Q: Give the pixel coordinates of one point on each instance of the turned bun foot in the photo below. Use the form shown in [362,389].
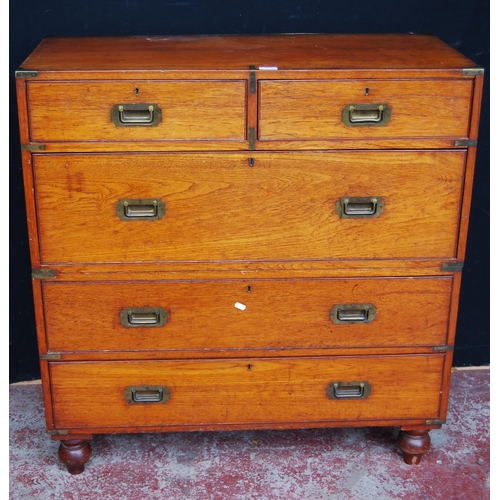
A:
[414,445]
[75,453]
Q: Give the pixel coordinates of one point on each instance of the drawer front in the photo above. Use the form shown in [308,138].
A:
[245,390]
[190,110]
[246,314]
[314,109]
[287,206]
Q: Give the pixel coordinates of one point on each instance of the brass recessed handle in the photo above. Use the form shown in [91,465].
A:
[349,314]
[359,207]
[142,394]
[134,115]
[348,390]
[140,209]
[366,115]
[143,317]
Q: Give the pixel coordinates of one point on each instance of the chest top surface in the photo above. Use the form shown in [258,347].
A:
[237,52]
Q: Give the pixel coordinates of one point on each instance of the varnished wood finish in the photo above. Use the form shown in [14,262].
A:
[46,392]
[414,444]
[245,390]
[42,349]
[288,352]
[190,110]
[313,110]
[469,173]
[243,213]
[75,453]
[247,269]
[26,161]
[295,314]
[445,393]
[287,52]
[282,208]
[396,422]
[289,145]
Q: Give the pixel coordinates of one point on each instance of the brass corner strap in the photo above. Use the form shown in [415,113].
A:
[465,142]
[435,422]
[43,274]
[251,139]
[253,82]
[33,147]
[477,71]
[22,73]
[443,348]
[452,267]
[61,432]
[50,357]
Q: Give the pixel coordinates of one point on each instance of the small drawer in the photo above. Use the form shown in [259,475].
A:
[223,207]
[135,111]
[243,391]
[358,109]
[214,315]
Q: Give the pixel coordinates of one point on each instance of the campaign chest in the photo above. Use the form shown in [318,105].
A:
[246,232]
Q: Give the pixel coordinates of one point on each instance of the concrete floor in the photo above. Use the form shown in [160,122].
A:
[328,464]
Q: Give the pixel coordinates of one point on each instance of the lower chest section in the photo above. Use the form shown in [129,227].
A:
[197,394]
[215,354]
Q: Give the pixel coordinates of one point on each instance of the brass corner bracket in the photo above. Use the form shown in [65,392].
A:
[253,82]
[43,274]
[465,142]
[50,357]
[442,348]
[61,432]
[452,267]
[435,422]
[477,71]
[33,147]
[22,73]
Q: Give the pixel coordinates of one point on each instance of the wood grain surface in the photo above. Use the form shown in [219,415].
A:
[196,110]
[245,390]
[287,52]
[278,314]
[313,109]
[220,208]
[217,270]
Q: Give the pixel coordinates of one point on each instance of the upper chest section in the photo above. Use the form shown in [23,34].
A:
[243,92]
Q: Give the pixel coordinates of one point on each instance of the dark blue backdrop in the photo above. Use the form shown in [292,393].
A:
[462,24]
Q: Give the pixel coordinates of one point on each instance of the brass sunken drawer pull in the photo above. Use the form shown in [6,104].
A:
[142,394]
[136,115]
[348,390]
[366,115]
[143,317]
[348,314]
[150,209]
[350,207]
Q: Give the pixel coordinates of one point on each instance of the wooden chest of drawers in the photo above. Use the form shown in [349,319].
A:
[238,232]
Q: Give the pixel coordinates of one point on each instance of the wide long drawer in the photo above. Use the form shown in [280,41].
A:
[116,208]
[137,110]
[282,314]
[154,393]
[357,109]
